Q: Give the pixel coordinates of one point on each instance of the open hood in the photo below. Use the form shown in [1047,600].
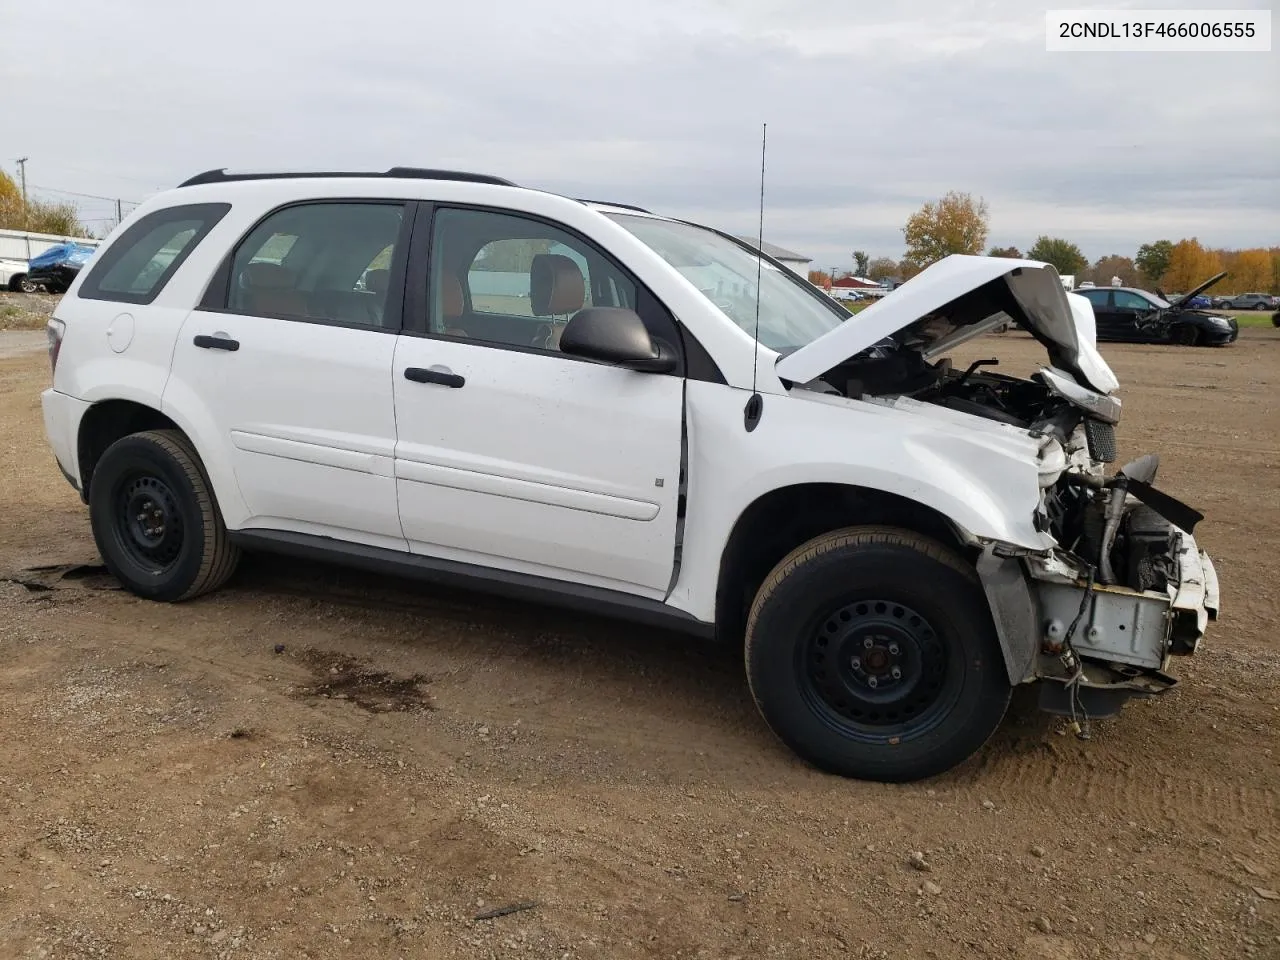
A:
[961,292]
[1196,291]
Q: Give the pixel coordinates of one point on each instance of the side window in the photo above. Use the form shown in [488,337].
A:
[506,279]
[1131,301]
[135,268]
[1097,297]
[322,262]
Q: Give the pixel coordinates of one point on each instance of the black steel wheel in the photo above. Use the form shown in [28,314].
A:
[871,652]
[148,521]
[154,518]
[876,670]
[1186,335]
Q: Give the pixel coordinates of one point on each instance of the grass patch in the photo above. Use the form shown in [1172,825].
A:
[1253,318]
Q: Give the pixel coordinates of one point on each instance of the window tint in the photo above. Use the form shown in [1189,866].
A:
[324,262]
[1097,297]
[135,268]
[1132,301]
[506,279]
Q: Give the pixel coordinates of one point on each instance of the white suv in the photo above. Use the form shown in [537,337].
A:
[447,375]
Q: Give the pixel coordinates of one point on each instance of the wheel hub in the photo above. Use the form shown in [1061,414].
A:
[876,663]
[149,521]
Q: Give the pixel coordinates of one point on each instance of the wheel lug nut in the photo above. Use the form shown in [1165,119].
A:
[897,674]
[893,649]
[872,682]
[868,643]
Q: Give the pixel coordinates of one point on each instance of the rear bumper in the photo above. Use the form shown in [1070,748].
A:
[62,415]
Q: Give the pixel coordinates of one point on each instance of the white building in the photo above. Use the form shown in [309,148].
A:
[23,245]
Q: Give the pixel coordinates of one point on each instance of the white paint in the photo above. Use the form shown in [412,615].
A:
[120,333]
[543,463]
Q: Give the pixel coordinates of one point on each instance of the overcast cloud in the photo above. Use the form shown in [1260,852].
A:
[872,109]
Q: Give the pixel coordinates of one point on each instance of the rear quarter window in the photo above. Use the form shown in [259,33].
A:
[135,268]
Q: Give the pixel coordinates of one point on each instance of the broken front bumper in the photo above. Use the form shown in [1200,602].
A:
[1096,645]
[1141,629]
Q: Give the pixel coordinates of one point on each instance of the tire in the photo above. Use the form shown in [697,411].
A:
[886,599]
[1186,335]
[28,286]
[1262,306]
[186,552]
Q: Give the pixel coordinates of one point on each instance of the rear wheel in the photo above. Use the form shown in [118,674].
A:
[155,520]
[1186,335]
[1262,306]
[871,653]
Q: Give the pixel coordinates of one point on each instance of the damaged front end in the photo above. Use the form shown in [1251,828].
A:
[1118,584]
[1128,589]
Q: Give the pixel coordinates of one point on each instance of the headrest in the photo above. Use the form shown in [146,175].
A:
[452,303]
[555,285]
[377,281]
[268,276]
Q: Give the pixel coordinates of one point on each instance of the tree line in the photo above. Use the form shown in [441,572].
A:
[958,223]
[36,216]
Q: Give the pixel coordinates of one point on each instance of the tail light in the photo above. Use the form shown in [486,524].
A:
[54,331]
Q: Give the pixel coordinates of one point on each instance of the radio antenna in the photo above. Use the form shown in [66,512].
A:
[755,403]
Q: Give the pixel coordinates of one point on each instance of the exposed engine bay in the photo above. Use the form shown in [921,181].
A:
[1102,521]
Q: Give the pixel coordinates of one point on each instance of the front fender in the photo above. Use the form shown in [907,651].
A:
[984,481]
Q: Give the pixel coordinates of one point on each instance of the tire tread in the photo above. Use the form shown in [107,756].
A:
[220,556]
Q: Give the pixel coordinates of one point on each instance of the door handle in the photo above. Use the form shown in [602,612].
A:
[423,375]
[216,343]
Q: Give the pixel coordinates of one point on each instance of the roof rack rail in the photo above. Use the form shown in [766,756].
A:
[405,173]
[610,203]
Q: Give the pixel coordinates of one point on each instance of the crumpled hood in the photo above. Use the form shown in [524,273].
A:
[1028,291]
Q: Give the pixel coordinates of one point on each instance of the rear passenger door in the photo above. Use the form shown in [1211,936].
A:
[287,364]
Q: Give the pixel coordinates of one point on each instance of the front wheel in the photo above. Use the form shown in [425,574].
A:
[1186,335]
[871,653]
[155,520]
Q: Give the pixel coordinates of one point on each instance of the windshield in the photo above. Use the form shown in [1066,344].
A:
[792,311]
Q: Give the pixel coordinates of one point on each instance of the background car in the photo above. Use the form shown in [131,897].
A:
[1251,301]
[13,276]
[1128,314]
[57,267]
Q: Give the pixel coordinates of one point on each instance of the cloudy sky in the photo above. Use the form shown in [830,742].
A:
[872,108]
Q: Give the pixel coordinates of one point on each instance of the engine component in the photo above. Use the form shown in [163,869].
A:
[1102,440]
[1151,546]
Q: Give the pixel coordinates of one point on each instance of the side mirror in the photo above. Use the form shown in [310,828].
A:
[615,335]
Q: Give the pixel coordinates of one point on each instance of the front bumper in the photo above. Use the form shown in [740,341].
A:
[1126,628]
[1220,337]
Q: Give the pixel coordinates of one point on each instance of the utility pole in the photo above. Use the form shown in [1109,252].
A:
[22,175]
[119,214]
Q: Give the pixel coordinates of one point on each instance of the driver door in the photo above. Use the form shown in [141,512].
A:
[510,454]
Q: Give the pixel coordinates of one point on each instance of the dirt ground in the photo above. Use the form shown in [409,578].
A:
[312,763]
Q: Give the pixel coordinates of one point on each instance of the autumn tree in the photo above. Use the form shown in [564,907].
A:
[1250,271]
[1063,254]
[955,224]
[820,278]
[1190,265]
[1113,265]
[908,268]
[1012,253]
[1153,260]
[36,215]
[882,268]
[860,261]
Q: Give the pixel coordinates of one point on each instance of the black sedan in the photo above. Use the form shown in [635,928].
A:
[1127,314]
